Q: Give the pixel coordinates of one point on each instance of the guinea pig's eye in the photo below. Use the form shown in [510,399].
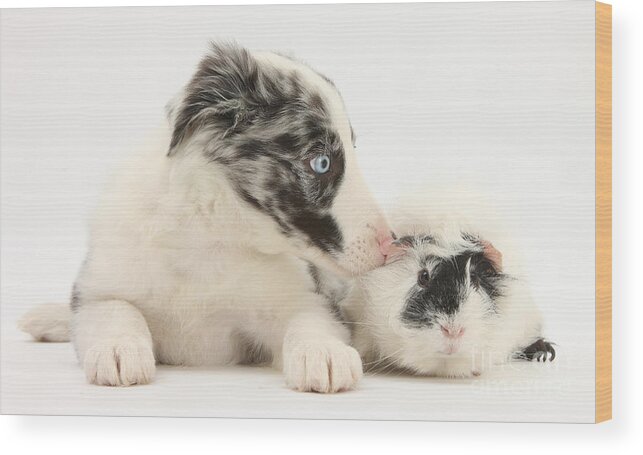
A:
[423,278]
[320,164]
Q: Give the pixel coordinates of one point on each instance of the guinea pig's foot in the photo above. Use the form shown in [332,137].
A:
[541,351]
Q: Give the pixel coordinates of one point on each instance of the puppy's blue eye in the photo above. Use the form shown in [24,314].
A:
[320,164]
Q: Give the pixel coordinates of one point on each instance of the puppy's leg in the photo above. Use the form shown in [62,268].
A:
[114,344]
[316,354]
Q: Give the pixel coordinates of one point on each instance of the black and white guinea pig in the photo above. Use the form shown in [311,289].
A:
[442,305]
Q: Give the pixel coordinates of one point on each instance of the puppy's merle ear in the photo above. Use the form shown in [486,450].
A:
[220,96]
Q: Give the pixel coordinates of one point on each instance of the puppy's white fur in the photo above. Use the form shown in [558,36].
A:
[181,271]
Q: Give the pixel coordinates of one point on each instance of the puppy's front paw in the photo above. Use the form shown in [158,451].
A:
[321,367]
[120,362]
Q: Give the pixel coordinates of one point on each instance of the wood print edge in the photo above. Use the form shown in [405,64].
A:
[603,409]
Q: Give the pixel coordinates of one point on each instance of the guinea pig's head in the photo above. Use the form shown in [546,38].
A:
[433,302]
[275,134]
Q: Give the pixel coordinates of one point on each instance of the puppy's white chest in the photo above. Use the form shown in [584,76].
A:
[211,306]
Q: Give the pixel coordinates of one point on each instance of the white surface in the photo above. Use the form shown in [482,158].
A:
[522,390]
[499,96]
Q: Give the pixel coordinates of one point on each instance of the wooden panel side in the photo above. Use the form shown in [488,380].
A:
[603,212]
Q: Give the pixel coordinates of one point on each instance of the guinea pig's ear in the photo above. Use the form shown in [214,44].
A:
[219,96]
[492,254]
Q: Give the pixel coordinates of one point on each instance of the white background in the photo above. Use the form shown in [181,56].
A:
[325,436]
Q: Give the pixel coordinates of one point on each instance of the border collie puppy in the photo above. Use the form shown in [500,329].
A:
[201,252]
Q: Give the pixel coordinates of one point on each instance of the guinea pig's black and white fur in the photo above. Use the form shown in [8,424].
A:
[444,306]
[200,252]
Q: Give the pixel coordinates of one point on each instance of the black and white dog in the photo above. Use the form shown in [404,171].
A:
[201,252]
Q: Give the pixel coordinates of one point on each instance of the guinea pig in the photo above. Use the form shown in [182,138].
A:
[443,305]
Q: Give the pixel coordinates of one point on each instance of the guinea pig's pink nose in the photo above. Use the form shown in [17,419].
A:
[450,331]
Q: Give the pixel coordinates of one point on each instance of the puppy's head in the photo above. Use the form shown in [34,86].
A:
[278,133]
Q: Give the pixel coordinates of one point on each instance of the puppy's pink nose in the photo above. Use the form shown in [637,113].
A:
[385,241]
[452,332]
